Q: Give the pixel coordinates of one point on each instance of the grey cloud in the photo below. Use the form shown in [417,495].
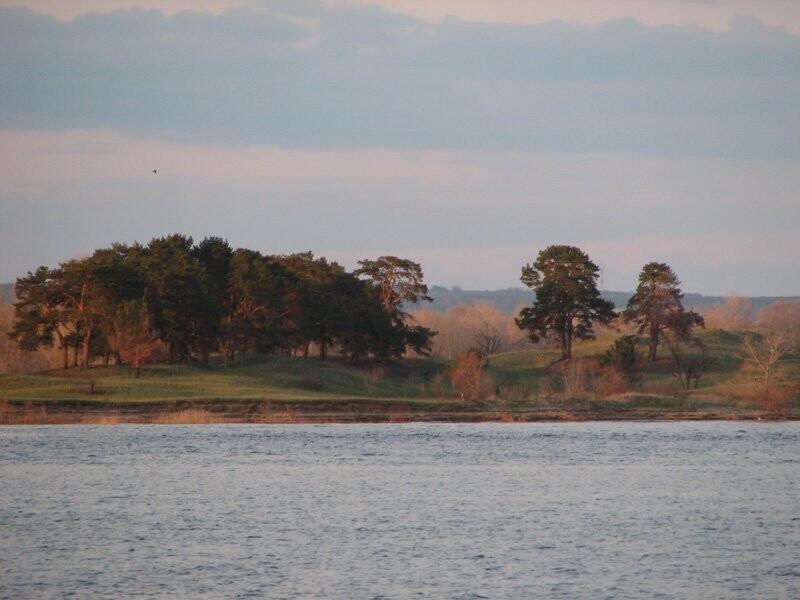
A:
[299,74]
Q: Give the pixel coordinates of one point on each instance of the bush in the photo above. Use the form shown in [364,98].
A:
[470,377]
[623,359]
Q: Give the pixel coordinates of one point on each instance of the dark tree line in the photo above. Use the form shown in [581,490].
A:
[194,300]
[189,301]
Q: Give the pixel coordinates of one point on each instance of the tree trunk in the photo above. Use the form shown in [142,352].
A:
[65,357]
[653,344]
[86,343]
[565,341]
[136,367]
[75,356]
[323,350]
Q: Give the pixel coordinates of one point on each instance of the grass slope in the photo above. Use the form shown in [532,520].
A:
[725,384]
[260,378]
[529,385]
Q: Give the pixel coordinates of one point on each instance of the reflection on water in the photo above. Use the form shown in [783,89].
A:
[593,510]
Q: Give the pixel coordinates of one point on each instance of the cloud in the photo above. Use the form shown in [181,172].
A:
[69,10]
[709,14]
[303,75]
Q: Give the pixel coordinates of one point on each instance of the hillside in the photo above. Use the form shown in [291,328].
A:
[526,385]
[509,299]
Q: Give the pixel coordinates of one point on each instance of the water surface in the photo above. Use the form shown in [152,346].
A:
[592,510]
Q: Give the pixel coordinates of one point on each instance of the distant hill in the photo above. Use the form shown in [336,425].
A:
[6,292]
[509,299]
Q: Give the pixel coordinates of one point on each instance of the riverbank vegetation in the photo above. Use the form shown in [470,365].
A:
[519,385]
[228,336]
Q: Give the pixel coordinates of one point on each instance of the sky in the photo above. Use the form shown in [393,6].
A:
[467,135]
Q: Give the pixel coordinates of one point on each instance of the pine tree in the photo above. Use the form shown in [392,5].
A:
[567,299]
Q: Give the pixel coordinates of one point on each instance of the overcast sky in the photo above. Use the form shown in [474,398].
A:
[467,135]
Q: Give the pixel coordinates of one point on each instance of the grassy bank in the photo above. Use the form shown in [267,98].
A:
[529,385]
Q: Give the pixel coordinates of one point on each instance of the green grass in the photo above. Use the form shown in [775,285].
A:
[534,372]
[523,379]
[261,378]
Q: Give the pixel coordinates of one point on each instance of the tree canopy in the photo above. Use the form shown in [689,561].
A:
[395,281]
[568,302]
[398,280]
[197,299]
[657,307]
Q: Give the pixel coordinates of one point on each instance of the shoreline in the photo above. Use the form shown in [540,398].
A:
[197,412]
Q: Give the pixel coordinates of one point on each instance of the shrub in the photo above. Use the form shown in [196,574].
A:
[372,376]
[623,359]
[470,377]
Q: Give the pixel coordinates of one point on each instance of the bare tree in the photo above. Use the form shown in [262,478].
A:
[783,315]
[735,313]
[689,361]
[763,353]
[493,330]
[480,326]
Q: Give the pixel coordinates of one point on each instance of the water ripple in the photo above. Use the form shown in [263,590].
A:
[593,510]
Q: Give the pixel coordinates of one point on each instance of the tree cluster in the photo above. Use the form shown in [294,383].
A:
[189,301]
[568,303]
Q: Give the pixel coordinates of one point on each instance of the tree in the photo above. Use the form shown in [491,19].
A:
[317,314]
[214,256]
[656,306]
[398,280]
[480,326]
[174,282]
[735,313]
[37,318]
[689,362]
[134,337]
[90,290]
[74,303]
[363,327]
[783,315]
[763,353]
[258,314]
[567,299]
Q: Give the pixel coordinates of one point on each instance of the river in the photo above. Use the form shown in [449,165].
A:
[570,510]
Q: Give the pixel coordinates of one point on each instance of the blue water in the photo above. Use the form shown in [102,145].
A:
[589,510]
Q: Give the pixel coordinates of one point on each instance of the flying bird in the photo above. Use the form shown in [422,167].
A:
[155,171]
